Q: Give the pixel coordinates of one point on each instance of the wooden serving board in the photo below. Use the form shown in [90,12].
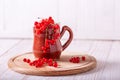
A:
[64,66]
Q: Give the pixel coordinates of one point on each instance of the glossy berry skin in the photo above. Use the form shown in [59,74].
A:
[74,59]
[36,23]
[28,60]
[55,64]
[77,59]
[40,62]
[50,63]
[24,59]
[83,58]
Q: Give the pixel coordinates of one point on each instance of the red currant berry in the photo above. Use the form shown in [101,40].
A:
[45,60]
[83,58]
[74,59]
[36,23]
[52,42]
[42,29]
[50,20]
[56,26]
[70,60]
[28,60]
[50,60]
[36,65]
[31,64]
[43,48]
[24,59]
[38,31]
[55,64]
[50,63]
[44,51]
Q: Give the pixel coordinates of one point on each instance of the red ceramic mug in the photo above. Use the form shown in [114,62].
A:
[55,49]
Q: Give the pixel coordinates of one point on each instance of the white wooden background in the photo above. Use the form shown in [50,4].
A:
[89,19]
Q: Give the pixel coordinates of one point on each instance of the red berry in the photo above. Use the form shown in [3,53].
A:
[43,48]
[45,60]
[50,63]
[28,60]
[52,42]
[50,60]
[42,29]
[34,62]
[70,60]
[38,31]
[36,23]
[55,64]
[44,51]
[24,59]
[36,65]
[83,58]
[55,31]
[31,64]
[74,59]
[50,20]
[39,64]
[56,26]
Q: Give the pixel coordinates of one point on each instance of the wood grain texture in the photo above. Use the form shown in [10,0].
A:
[6,45]
[64,66]
[106,53]
[19,48]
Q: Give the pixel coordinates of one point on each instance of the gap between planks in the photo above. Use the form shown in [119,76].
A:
[94,47]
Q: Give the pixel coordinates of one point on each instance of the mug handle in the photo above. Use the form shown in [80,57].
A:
[66,28]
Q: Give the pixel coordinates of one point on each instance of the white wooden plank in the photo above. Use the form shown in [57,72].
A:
[10,75]
[111,70]
[100,52]
[6,44]
[71,77]
[108,62]
[22,47]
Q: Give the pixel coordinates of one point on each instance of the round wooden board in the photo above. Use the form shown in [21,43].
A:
[64,66]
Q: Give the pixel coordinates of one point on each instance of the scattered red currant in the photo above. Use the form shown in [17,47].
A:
[24,59]
[41,62]
[77,59]
[55,64]
[36,23]
[83,58]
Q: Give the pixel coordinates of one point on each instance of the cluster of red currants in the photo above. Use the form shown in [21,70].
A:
[41,62]
[77,59]
[44,27]
[44,24]
[49,42]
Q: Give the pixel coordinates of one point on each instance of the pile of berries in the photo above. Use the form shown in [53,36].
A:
[77,59]
[41,62]
[51,31]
